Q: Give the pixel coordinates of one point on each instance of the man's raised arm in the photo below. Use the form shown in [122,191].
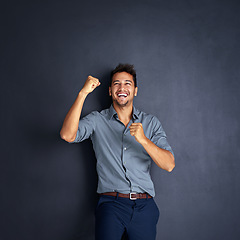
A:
[71,121]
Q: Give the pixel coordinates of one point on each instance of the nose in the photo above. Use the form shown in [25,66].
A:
[122,86]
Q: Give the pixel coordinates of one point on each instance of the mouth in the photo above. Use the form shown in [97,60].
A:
[122,95]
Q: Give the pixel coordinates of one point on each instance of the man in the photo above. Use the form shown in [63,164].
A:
[125,141]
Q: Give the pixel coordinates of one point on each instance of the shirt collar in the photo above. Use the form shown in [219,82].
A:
[112,112]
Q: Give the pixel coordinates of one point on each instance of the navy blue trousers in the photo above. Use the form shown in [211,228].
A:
[115,215]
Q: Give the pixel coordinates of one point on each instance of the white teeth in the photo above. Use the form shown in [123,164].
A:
[122,95]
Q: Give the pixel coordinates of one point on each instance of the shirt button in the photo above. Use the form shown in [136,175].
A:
[125,149]
[124,163]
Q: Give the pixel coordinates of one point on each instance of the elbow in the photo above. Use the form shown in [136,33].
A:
[172,165]
[171,168]
[66,138]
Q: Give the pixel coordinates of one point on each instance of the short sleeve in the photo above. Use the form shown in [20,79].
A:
[86,127]
[159,136]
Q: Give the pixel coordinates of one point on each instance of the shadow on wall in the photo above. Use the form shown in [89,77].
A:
[84,225]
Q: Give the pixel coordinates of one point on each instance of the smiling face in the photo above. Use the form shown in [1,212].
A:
[122,89]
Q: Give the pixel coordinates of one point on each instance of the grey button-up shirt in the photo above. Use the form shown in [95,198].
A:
[123,164]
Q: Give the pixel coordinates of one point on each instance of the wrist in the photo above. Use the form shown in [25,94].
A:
[83,93]
[144,141]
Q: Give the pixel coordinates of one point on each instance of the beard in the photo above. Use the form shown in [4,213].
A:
[121,104]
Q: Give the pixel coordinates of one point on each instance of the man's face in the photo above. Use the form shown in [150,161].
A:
[122,89]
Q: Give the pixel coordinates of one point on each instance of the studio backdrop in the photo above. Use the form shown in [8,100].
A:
[186,54]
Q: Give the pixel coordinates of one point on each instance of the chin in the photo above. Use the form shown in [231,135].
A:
[122,104]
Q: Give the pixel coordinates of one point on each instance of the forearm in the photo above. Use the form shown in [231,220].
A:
[71,121]
[163,158]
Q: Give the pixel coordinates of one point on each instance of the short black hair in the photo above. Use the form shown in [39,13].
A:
[126,67]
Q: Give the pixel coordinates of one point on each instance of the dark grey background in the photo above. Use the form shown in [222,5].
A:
[186,54]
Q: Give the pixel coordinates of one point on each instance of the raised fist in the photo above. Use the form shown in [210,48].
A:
[90,84]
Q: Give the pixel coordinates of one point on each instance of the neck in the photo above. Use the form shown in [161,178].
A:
[124,113]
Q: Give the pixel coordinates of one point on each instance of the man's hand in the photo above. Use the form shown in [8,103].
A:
[90,84]
[163,158]
[136,130]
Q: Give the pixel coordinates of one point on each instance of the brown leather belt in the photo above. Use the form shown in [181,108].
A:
[131,196]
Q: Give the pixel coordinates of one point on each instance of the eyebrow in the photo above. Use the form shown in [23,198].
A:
[123,80]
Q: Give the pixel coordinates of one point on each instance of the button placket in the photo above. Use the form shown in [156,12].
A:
[124,149]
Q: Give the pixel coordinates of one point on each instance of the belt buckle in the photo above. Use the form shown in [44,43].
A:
[132,198]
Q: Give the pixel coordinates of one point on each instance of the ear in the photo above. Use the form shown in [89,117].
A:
[136,90]
[110,91]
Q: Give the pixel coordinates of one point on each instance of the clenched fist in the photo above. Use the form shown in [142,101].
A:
[90,84]
[136,130]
